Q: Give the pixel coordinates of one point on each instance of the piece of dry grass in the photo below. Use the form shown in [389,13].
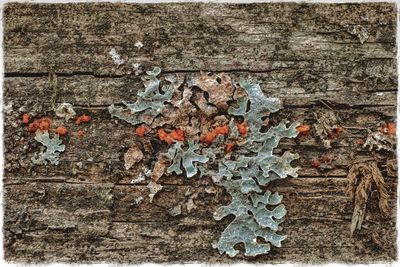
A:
[391,167]
[362,177]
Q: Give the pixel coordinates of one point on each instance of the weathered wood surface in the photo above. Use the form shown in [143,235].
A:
[304,53]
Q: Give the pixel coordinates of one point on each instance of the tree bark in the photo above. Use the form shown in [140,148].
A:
[314,57]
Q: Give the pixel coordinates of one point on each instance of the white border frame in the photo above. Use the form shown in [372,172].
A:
[2,2]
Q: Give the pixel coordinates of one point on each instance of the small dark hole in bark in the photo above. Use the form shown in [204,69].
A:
[248,106]
[206,96]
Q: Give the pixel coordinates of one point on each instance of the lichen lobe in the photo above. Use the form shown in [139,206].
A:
[148,104]
[252,220]
[186,158]
[51,150]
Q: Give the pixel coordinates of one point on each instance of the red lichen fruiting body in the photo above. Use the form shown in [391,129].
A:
[32,127]
[336,132]
[83,118]
[303,129]
[242,128]
[388,128]
[25,118]
[141,130]
[315,163]
[164,136]
[178,135]
[391,126]
[326,159]
[360,142]
[208,138]
[229,147]
[80,133]
[224,130]
[61,130]
[42,124]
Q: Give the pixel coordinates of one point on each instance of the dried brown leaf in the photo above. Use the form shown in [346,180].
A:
[154,188]
[218,86]
[239,92]
[326,123]
[175,211]
[132,156]
[180,116]
[162,163]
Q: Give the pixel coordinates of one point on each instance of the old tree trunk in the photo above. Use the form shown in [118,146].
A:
[317,58]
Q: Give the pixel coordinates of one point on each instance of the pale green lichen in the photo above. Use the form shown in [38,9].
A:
[216,149]
[53,148]
[186,158]
[262,167]
[148,104]
[260,105]
[243,176]
[252,220]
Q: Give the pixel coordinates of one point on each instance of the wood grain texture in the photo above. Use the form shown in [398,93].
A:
[308,55]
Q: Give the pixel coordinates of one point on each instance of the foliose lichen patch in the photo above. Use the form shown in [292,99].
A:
[50,153]
[211,126]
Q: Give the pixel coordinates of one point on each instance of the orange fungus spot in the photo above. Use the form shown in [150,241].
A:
[83,118]
[164,136]
[303,129]
[391,126]
[336,132]
[175,135]
[42,124]
[209,137]
[315,163]
[326,158]
[242,128]
[221,130]
[25,118]
[61,130]
[388,128]
[360,142]
[81,133]
[178,135]
[141,130]
[229,147]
